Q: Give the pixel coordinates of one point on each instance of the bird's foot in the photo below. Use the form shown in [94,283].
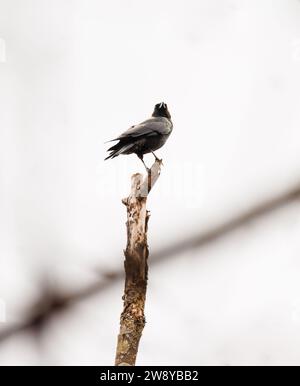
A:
[156,158]
[159,160]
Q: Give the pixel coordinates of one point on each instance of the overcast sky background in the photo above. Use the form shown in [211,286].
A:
[74,74]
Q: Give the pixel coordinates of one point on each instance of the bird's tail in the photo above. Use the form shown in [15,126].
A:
[110,156]
[118,149]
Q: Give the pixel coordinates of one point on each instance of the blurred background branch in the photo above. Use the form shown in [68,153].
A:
[52,302]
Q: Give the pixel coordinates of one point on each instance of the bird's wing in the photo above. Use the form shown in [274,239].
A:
[152,126]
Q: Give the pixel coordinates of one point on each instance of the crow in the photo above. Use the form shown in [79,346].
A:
[146,137]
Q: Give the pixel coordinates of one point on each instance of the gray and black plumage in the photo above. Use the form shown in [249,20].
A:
[146,137]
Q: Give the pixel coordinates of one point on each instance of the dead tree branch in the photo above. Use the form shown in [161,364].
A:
[132,319]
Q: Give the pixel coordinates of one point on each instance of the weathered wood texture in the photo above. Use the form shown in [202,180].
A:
[132,320]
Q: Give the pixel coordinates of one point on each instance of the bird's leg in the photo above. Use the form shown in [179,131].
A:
[156,158]
[141,158]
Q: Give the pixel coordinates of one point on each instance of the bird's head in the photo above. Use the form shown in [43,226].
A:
[161,110]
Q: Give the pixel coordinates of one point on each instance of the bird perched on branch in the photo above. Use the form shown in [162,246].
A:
[146,137]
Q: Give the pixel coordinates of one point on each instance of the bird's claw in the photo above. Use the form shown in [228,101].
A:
[159,160]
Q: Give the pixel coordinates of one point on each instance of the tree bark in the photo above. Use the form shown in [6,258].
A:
[132,319]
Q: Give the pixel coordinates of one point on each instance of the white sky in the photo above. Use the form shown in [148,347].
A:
[77,73]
